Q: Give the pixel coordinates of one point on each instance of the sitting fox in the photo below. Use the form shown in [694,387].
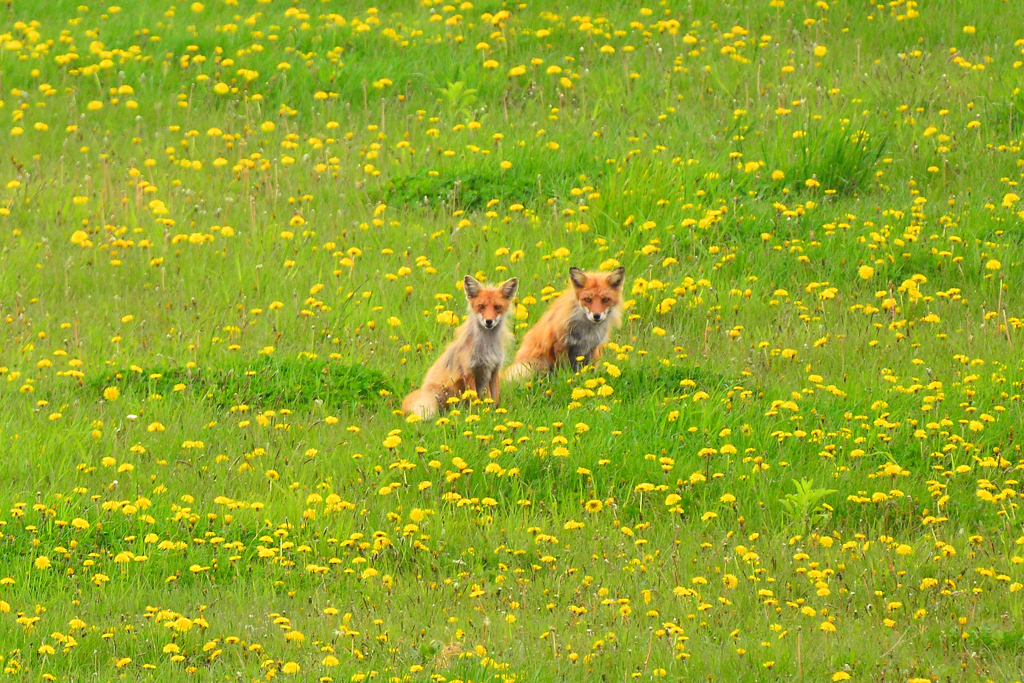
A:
[575,327]
[474,358]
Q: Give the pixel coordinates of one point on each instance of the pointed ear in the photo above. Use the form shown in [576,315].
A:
[577,277]
[617,277]
[471,287]
[509,287]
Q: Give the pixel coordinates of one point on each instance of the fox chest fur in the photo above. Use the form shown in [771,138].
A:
[483,351]
[583,336]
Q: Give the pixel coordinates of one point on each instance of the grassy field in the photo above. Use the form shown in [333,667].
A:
[232,237]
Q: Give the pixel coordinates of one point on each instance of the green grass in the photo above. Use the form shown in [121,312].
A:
[798,459]
[266,383]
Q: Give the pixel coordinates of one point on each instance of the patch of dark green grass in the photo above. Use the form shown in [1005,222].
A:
[999,639]
[466,189]
[838,159]
[268,383]
[471,187]
[637,382]
[1007,113]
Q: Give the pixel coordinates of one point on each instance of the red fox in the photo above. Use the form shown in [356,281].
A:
[576,326]
[474,358]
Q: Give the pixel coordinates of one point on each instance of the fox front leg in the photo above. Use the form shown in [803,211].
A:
[481,382]
[577,359]
[494,388]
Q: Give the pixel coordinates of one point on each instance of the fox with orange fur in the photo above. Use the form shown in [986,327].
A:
[575,327]
[473,360]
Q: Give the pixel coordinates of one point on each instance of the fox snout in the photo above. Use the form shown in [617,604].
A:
[596,317]
[488,320]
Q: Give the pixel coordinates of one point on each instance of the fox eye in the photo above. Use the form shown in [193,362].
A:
[497,309]
[606,301]
[480,307]
[587,300]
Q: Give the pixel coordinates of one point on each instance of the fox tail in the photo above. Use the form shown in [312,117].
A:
[518,371]
[420,402]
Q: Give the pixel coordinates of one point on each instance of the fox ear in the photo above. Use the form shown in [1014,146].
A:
[471,287]
[617,277]
[577,277]
[509,287]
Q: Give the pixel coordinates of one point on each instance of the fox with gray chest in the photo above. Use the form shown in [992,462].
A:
[474,358]
[575,327]
[588,325]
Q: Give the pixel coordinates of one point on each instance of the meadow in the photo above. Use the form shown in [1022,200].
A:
[232,238]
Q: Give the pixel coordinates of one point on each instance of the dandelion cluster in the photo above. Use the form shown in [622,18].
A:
[232,234]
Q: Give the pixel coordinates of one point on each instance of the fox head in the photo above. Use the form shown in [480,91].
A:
[598,293]
[489,305]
